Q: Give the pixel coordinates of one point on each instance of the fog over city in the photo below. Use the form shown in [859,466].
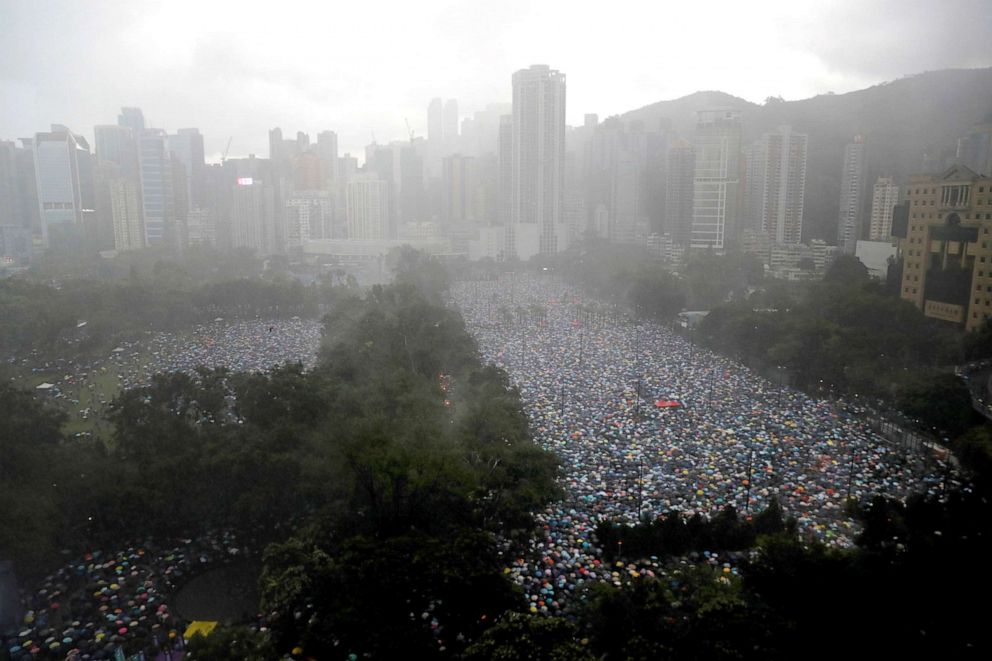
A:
[481,331]
[236,68]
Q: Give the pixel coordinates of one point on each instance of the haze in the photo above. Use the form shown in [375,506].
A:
[236,69]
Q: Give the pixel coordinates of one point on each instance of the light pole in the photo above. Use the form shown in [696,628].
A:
[850,472]
[747,486]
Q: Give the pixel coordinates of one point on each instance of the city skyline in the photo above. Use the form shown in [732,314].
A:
[235,73]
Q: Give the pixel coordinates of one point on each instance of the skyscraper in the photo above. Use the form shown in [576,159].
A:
[435,138]
[678,201]
[885,196]
[538,162]
[15,225]
[125,209]
[327,151]
[368,207]
[460,188]
[307,172]
[309,215]
[253,216]
[716,182]
[155,166]
[450,127]
[504,170]
[777,184]
[613,174]
[851,191]
[8,183]
[187,146]
[117,144]
[61,164]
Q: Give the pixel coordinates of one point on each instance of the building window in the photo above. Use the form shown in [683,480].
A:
[954,196]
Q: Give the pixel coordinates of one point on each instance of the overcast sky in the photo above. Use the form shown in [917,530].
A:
[234,69]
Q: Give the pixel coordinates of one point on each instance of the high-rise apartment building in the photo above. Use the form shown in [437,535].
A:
[777,185]
[538,163]
[253,216]
[851,193]
[450,127]
[327,150]
[125,210]
[460,181]
[885,196]
[399,165]
[679,198]
[716,182]
[201,227]
[307,172]
[368,207]
[442,135]
[504,171]
[611,163]
[480,133]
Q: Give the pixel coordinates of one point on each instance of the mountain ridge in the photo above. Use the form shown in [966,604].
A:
[901,120]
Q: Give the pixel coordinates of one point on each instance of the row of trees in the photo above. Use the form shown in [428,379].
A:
[848,335]
[46,318]
[633,277]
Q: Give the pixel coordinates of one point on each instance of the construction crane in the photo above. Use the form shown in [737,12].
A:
[223,158]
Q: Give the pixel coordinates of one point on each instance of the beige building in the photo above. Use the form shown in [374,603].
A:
[947,253]
[884,197]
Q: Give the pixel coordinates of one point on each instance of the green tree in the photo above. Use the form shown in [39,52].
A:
[846,270]
[938,400]
[517,636]
[235,643]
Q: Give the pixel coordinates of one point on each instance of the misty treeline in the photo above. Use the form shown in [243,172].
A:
[847,335]
[162,294]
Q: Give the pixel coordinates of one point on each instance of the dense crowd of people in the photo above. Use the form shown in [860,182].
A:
[109,600]
[645,423]
[239,346]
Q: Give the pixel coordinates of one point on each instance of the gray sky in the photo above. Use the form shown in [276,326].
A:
[237,68]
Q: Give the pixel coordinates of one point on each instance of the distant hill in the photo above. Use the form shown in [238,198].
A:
[900,119]
[680,114]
